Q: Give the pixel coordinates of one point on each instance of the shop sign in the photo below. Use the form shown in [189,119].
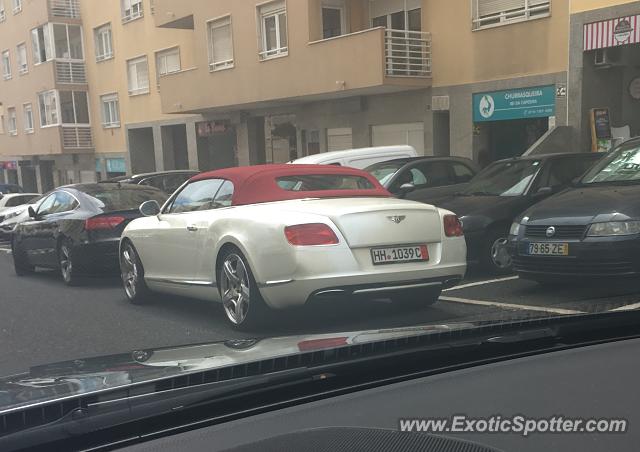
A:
[210,128]
[116,166]
[9,165]
[535,102]
[612,33]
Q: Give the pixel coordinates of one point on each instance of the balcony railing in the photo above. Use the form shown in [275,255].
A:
[65,8]
[70,72]
[77,137]
[407,53]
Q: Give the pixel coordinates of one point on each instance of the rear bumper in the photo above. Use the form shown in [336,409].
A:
[590,257]
[97,257]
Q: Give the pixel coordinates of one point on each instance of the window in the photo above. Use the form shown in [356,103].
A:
[333,18]
[67,41]
[102,38]
[17,6]
[138,73]
[13,121]
[168,61]
[110,111]
[167,183]
[462,173]
[48,104]
[321,182]
[131,9]
[41,43]
[3,14]
[28,118]
[21,55]
[220,44]
[58,202]
[224,197]
[487,13]
[6,65]
[423,175]
[18,200]
[273,29]
[74,108]
[198,195]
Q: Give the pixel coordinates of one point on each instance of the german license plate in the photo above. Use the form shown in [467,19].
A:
[399,254]
[549,249]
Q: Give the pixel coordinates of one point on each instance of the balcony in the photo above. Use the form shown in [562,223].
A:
[76,137]
[371,61]
[70,72]
[69,9]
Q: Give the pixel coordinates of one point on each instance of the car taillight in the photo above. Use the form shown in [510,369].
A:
[97,223]
[452,226]
[310,234]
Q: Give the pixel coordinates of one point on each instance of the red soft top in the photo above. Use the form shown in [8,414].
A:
[257,184]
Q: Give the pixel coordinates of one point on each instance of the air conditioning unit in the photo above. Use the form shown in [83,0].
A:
[606,58]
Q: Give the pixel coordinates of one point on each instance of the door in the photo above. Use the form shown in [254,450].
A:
[43,230]
[174,250]
[395,134]
[339,139]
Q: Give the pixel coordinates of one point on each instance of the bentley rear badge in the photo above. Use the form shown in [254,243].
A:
[397,218]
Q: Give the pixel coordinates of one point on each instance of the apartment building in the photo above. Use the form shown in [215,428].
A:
[126,58]
[45,124]
[289,78]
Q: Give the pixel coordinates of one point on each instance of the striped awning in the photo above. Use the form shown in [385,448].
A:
[612,33]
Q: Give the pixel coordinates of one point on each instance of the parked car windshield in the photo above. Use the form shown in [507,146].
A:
[622,165]
[124,198]
[384,171]
[504,178]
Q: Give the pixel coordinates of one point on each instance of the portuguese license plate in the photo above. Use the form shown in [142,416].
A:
[549,249]
[399,254]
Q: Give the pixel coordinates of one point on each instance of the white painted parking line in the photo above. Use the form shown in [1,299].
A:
[627,307]
[481,283]
[522,307]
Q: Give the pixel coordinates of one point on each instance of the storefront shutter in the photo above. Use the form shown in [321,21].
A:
[339,139]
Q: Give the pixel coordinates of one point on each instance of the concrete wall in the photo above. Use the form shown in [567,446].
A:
[578,6]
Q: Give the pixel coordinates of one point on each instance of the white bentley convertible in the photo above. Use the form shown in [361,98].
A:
[277,236]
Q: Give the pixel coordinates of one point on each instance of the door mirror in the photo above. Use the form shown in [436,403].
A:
[150,208]
[543,191]
[32,213]
[405,189]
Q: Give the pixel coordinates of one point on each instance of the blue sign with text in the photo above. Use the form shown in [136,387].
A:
[523,103]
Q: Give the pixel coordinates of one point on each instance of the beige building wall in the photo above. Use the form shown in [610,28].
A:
[462,55]
[133,39]
[578,6]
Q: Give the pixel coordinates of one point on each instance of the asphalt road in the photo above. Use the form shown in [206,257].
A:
[42,321]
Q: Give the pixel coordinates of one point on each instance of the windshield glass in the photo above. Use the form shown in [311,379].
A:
[504,178]
[384,171]
[622,165]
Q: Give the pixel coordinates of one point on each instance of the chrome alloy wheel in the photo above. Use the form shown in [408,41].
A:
[500,254]
[235,288]
[129,271]
[66,264]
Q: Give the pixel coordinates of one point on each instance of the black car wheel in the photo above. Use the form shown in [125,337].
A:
[132,275]
[21,264]
[416,298]
[66,263]
[495,254]
[243,305]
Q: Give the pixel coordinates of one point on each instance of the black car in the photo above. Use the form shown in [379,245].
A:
[167,181]
[504,190]
[422,178]
[77,228]
[10,188]
[589,230]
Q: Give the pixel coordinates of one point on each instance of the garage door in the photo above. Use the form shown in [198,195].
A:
[394,134]
[339,139]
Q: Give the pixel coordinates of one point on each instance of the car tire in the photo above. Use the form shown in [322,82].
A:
[495,255]
[68,271]
[417,298]
[132,275]
[243,305]
[21,264]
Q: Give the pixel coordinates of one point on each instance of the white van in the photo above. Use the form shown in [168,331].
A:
[358,158]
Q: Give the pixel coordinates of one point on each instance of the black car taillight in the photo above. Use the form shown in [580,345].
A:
[102,223]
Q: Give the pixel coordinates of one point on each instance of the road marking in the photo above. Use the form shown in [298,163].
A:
[481,283]
[627,307]
[523,307]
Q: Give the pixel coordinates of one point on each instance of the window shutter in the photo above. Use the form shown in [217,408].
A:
[222,46]
[488,7]
[172,62]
